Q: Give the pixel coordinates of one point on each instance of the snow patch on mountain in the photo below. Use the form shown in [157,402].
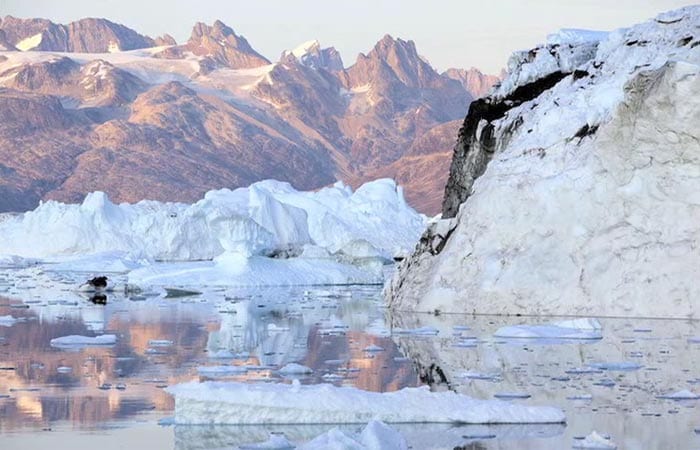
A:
[29,43]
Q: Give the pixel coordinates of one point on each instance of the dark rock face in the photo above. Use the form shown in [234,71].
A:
[83,36]
[5,44]
[474,150]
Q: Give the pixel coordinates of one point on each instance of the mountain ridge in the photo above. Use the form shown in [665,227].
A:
[305,119]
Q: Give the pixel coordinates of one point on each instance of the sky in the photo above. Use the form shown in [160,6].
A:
[449,33]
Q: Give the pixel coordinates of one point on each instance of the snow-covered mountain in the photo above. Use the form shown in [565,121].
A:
[573,188]
[170,122]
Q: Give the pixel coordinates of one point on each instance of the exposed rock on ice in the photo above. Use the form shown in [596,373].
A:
[240,403]
[577,180]
[74,341]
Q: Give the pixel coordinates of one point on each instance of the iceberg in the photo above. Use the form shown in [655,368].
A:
[266,234]
[76,341]
[241,403]
[268,218]
[573,189]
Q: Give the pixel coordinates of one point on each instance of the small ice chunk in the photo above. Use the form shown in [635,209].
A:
[595,441]
[680,395]
[8,321]
[295,369]
[623,366]
[584,329]
[373,348]
[511,395]
[83,341]
[221,371]
[422,331]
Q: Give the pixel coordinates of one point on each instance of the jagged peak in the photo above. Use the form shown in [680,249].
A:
[307,47]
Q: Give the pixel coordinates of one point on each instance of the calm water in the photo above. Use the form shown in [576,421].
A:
[63,398]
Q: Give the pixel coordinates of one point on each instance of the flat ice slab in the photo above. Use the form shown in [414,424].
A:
[585,329]
[241,403]
[83,341]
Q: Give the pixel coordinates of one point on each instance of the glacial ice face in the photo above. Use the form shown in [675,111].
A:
[589,204]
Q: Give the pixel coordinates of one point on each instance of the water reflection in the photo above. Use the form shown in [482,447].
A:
[419,436]
[163,341]
[609,385]
[345,336]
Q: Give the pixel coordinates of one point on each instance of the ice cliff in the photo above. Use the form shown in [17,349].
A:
[574,186]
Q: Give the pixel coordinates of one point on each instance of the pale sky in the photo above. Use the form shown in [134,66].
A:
[449,33]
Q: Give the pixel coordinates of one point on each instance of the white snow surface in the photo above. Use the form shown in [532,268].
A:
[29,43]
[241,403]
[606,224]
[76,341]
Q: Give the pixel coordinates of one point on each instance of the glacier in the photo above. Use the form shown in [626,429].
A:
[573,189]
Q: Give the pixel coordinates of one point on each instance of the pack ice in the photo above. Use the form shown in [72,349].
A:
[573,190]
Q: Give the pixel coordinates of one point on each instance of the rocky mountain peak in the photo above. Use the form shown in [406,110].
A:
[224,46]
[474,81]
[312,55]
[394,58]
[165,39]
[90,35]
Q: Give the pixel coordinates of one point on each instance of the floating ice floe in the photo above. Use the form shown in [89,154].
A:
[622,366]
[680,395]
[577,329]
[8,321]
[295,369]
[422,331]
[83,341]
[241,403]
[595,441]
[221,371]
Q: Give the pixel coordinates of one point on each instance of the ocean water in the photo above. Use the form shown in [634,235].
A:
[112,396]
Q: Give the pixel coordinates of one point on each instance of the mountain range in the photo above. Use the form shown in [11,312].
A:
[93,105]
